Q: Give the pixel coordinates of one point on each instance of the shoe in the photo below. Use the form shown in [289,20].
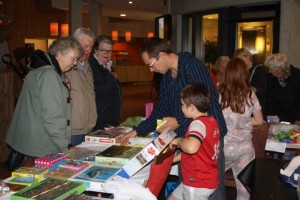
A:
[289,179]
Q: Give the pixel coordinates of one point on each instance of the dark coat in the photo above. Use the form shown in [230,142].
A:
[108,96]
[284,101]
[259,80]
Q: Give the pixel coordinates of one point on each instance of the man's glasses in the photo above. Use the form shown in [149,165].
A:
[150,65]
[105,51]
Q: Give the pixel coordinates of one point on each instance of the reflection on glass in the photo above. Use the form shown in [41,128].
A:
[161,28]
[257,37]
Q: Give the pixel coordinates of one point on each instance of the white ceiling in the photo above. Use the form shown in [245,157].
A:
[145,10]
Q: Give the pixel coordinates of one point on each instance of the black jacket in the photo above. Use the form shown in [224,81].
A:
[284,101]
[108,96]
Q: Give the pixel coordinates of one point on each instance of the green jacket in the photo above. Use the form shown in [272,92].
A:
[41,120]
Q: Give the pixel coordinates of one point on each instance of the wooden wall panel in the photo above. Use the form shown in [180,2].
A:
[31,19]
[7,104]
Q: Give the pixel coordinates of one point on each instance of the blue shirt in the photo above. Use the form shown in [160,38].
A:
[190,70]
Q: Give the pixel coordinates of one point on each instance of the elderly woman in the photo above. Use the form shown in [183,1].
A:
[283,95]
[107,88]
[41,121]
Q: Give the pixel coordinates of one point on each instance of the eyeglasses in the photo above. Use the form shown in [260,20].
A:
[105,51]
[150,65]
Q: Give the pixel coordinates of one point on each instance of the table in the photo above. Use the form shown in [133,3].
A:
[266,183]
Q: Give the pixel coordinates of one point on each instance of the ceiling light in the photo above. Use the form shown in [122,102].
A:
[123,15]
[130,2]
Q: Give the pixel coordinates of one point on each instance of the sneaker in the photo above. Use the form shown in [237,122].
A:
[289,179]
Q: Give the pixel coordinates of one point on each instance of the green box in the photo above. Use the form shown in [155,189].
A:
[50,188]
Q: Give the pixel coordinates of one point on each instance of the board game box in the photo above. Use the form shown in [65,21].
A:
[32,172]
[95,176]
[51,161]
[147,154]
[27,175]
[117,155]
[23,181]
[74,165]
[108,136]
[82,154]
[62,173]
[50,189]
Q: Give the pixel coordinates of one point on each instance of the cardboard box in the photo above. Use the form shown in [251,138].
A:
[117,155]
[96,176]
[27,175]
[147,154]
[108,136]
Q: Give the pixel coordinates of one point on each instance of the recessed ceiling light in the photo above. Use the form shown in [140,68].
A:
[123,15]
[130,2]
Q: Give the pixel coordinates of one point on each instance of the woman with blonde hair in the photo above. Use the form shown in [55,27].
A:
[241,110]
[220,67]
[283,96]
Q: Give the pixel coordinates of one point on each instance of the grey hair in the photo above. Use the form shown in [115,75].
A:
[83,31]
[277,61]
[63,45]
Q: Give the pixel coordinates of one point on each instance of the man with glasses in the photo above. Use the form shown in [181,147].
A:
[178,70]
[84,114]
[106,84]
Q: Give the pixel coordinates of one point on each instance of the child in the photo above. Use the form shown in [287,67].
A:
[239,103]
[199,148]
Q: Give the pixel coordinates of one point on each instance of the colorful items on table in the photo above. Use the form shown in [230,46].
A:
[289,136]
[51,161]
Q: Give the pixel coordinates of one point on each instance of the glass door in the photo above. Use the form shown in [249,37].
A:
[209,41]
[257,37]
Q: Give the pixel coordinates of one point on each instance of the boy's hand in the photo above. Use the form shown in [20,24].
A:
[174,144]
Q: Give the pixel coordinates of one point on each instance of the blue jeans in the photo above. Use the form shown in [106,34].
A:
[77,139]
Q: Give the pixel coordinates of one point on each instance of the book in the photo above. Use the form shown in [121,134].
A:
[50,188]
[111,135]
[27,175]
[117,155]
[95,176]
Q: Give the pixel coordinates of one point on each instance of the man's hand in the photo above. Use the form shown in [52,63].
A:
[126,137]
[171,123]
